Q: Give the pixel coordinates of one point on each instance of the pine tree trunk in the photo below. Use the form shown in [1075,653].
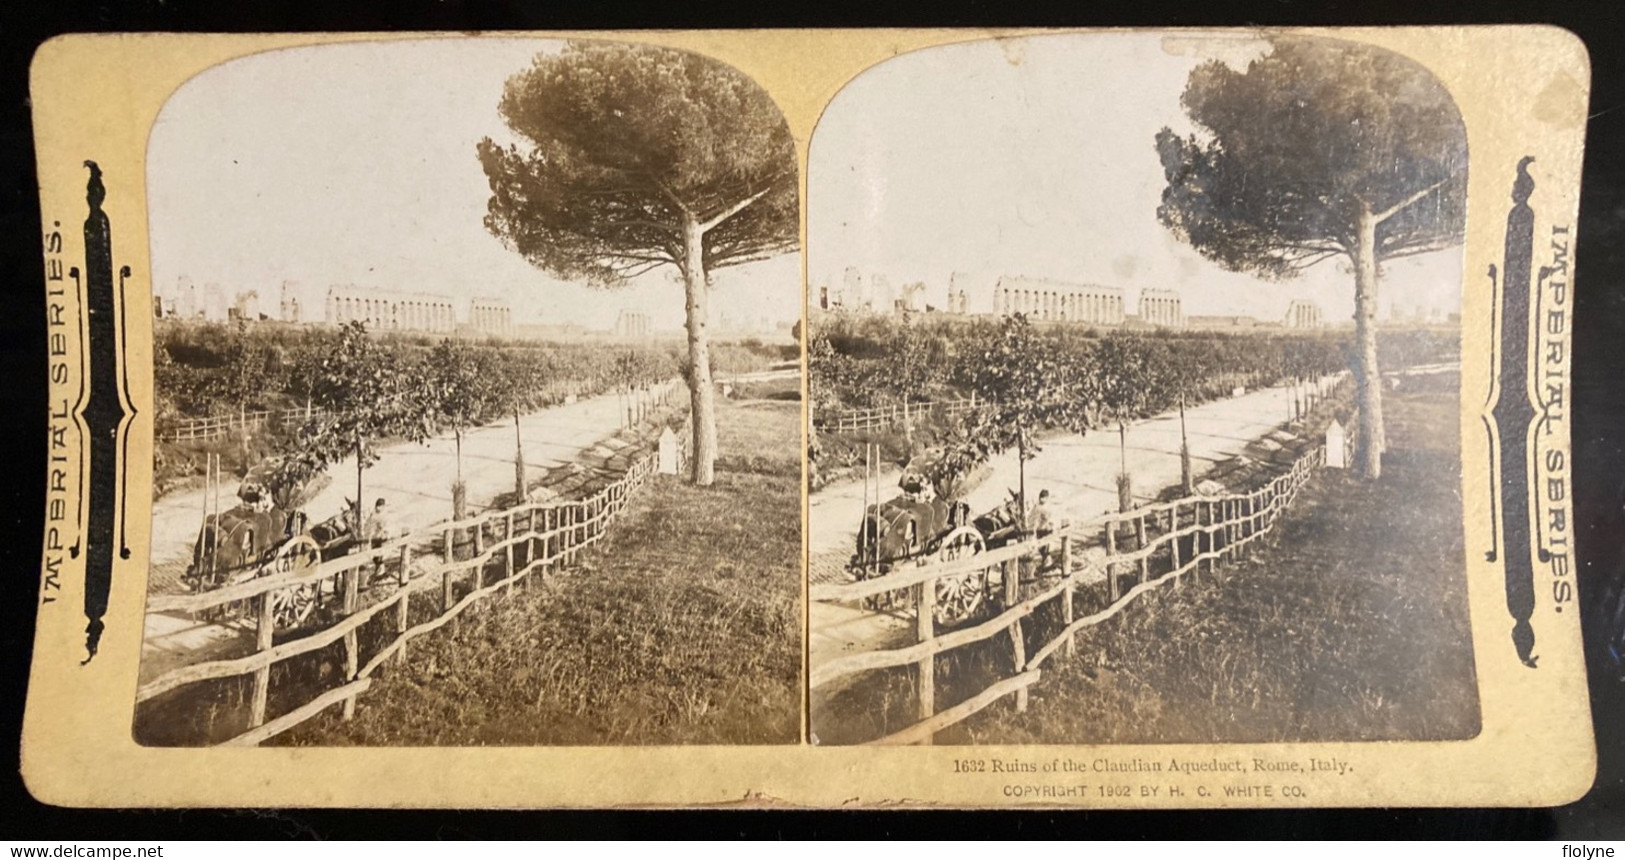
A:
[701,390]
[1368,457]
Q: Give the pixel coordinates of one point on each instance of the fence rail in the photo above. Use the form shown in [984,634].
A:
[478,556]
[1148,546]
[882,417]
[216,426]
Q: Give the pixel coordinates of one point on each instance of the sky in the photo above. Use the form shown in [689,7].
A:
[355,164]
[1034,157]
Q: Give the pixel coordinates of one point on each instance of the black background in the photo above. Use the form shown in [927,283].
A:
[1599,417]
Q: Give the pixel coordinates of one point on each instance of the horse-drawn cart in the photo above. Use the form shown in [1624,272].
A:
[919,528]
[265,533]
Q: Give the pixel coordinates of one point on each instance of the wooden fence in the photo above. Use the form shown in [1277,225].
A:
[452,565]
[634,404]
[1144,548]
[882,417]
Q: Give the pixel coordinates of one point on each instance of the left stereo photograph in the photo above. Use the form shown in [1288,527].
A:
[476,399]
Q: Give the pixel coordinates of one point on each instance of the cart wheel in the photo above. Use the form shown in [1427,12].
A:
[960,597]
[291,607]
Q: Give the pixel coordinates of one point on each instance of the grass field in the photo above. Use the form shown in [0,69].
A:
[683,627]
[1350,623]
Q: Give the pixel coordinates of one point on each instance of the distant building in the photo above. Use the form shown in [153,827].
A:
[490,316]
[1303,314]
[881,296]
[872,293]
[632,324]
[852,291]
[290,308]
[913,298]
[184,301]
[246,306]
[214,308]
[1161,308]
[1044,299]
[384,310]
[959,293]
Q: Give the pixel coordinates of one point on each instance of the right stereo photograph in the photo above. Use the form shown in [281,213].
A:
[1135,390]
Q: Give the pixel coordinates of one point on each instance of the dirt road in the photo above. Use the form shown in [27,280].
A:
[416,479]
[1079,471]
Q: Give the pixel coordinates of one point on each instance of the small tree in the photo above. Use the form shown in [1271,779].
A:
[241,379]
[1125,386]
[461,394]
[1025,385]
[365,395]
[1320,149]
[829,373]
[522,377]
[917,365]
[305,371]
[1181,370]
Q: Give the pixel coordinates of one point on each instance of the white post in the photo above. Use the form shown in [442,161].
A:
[1335,446]
[668,452]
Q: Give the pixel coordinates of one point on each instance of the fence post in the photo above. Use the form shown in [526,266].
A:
[448,551]
[1111,554]
[1173,544]
[352,656]
[1145,559]
[550,522]
[530,538]
[507,538]
[1207,531]
[1018,643]
[402,614]
[1066,596]
[479,537]
[1236,530]
[264,636]
[402,611]
[1229,531]
[925,598]
[571,533]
